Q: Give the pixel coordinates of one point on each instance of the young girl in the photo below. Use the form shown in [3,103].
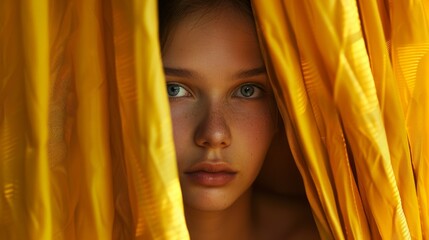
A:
[224,119]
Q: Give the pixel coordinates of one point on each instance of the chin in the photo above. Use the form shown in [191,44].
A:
[208,200]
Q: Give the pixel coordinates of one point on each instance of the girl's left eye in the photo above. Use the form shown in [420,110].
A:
[248,91]
[175,90]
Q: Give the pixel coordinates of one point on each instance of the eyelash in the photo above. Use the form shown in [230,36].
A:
[187,94]
[258,90]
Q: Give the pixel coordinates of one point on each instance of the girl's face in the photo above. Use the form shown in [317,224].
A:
[221,106]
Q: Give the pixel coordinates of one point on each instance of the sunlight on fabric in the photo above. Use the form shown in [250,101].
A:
[156,198]
[359,83]
[36,44]
[86,145]
[79,114]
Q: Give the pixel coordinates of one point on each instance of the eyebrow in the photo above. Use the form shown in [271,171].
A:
[252,72]
[179,72]
[185,73]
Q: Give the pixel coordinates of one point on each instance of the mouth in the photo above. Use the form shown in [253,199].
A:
[211,174]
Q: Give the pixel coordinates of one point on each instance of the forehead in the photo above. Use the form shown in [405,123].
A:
[220,38]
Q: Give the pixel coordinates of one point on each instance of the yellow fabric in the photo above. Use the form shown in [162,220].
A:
[351,82]
[86,149]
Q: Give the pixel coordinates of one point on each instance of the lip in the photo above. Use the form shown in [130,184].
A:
[211,174]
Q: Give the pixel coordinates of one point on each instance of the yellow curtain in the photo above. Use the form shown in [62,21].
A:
[351,83]
[86,150]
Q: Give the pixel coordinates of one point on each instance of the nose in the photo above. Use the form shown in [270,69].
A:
[213,130]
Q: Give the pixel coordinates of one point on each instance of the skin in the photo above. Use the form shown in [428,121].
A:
[210,60]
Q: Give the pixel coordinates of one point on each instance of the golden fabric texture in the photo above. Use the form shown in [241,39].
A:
[86,150]
[351,81]
[86,147]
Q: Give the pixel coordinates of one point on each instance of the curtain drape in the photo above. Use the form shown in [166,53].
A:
[351,80]
[86,149]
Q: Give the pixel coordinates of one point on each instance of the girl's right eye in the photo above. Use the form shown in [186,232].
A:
[175,90]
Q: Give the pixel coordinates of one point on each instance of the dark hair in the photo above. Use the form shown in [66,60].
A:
[170,12]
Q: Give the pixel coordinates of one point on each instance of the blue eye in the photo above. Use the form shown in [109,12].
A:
[248,91]
[175,90]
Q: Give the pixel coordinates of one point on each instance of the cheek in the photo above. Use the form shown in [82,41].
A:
[253,131]
[255,122]
[183,124]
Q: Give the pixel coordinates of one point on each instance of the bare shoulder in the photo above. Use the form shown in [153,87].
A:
[281,217]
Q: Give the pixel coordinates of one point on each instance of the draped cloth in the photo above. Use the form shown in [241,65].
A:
[86,144]
[86,147]
[351,82]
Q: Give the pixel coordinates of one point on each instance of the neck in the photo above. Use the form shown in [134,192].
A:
[234,222]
